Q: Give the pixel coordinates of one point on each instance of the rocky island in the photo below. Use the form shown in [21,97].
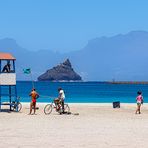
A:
[62,72]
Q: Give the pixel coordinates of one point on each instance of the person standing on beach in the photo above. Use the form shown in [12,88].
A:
[34,95]
[139,101]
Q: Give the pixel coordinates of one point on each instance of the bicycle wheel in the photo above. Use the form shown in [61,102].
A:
[14,107]
[48,109]
[66,108]
[19,105]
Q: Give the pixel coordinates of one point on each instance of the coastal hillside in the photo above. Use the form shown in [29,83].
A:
[38,61]
[120,57]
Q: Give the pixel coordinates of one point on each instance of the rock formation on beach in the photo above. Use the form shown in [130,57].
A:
[62,72]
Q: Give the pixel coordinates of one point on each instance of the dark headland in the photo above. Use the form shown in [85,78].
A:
[61,72]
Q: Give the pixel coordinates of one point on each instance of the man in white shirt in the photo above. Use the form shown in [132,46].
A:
[61,97]
[60,100]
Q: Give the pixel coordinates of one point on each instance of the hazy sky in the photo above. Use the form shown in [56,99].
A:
[65,25]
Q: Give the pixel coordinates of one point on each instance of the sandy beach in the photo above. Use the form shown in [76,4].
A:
[96,126]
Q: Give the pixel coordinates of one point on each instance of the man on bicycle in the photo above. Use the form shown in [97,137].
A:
[60,100]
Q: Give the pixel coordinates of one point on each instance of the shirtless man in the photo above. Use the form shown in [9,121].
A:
[34,95]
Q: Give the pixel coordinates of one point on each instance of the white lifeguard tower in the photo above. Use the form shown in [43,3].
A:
[8,91]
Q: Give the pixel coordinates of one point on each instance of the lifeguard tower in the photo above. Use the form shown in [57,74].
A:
[8,91]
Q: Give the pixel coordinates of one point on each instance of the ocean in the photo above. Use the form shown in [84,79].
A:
[83,92]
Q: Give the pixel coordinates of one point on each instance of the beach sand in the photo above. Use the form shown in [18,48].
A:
[96,126]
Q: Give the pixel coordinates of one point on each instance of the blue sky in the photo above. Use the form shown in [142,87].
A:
[65,25]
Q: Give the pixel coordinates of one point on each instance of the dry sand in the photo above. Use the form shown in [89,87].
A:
[96,126]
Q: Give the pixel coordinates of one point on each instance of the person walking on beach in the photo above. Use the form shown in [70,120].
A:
[34,95]
[60,99]
[139,101]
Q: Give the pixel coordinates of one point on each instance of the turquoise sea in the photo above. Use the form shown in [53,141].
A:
[83,92]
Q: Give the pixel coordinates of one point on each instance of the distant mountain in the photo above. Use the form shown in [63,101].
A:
[61,72]
[121,57]
[38,61]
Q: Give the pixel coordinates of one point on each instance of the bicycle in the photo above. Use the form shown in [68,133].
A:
[16,105]
[49,107]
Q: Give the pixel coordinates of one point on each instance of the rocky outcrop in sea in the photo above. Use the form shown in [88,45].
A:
[62,72]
